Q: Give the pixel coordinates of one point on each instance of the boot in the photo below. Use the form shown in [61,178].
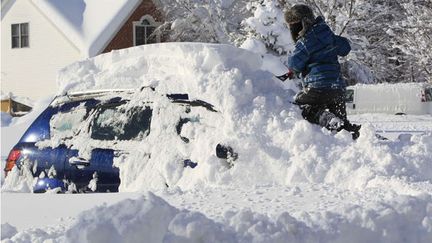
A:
[330,121]
[354,129]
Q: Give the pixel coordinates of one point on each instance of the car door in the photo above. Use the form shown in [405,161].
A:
[43,147]
[112,128]
[63,125]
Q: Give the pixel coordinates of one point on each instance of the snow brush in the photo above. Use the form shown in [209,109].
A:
[288,75]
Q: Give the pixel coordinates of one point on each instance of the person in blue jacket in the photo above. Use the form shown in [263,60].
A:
[315,60]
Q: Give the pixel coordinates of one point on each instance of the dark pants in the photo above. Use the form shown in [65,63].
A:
[314,102]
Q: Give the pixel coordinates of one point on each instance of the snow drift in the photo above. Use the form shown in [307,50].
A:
[151,219]
[274,143]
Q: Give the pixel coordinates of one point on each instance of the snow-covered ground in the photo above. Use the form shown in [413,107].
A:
[293,182]
[392,126]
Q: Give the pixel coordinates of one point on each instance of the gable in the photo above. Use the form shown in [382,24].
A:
[89,24]
[124,36]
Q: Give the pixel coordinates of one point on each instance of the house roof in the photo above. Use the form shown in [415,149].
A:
[23,100]
[88,24]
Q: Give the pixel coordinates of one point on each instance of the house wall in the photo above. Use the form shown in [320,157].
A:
[124,37]
[5,106]
[31,72]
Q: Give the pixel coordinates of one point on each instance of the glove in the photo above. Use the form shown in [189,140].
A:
[290,74]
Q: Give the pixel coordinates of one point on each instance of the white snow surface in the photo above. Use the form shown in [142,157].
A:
[6,119]
[89,24]
[293,181]
[150,218]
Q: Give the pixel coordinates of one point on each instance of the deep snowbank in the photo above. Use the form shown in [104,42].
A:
[256,118]
[151,219]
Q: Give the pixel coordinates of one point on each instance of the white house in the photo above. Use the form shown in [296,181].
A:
[39,37]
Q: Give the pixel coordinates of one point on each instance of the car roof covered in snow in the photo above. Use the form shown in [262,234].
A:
[179,98]
[85,95]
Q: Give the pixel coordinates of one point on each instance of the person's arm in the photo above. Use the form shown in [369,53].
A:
[298,59]
[343,45]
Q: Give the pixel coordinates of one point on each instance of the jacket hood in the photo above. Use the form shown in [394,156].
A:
[320,31]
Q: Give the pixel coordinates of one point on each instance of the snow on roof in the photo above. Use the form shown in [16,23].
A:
[88,24]
[23,100]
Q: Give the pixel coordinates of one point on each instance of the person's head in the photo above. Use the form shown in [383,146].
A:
[299,18]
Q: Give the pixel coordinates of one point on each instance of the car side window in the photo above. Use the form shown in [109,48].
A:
[349,96]
[119,123]
[428,94]
[66,124]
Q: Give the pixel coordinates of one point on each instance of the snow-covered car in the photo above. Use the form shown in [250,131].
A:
[400,98]
[74,143]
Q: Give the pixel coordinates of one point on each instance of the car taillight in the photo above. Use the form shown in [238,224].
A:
[11,160]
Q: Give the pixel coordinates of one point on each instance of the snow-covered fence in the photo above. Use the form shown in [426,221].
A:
[402,98]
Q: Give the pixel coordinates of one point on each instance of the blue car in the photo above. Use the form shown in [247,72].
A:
[46,148]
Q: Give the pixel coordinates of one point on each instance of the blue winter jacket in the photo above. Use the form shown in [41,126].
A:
[316,57]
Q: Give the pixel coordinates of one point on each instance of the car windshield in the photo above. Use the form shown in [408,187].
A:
[117,122]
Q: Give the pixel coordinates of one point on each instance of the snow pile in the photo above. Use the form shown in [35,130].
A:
[7,231]
[152,219]
[256,118]
[171,67]
[6,119]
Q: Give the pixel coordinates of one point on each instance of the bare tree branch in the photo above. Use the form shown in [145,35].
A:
[352,2]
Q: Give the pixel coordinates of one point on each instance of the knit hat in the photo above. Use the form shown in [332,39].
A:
[298,13]
[300,18]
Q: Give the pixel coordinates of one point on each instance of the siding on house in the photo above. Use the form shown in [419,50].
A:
[31,72]
[124,36]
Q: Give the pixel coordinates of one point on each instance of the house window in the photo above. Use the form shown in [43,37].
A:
[20,35]
[144,31]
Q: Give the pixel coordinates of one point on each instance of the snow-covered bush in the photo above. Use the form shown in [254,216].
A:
[214,21]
